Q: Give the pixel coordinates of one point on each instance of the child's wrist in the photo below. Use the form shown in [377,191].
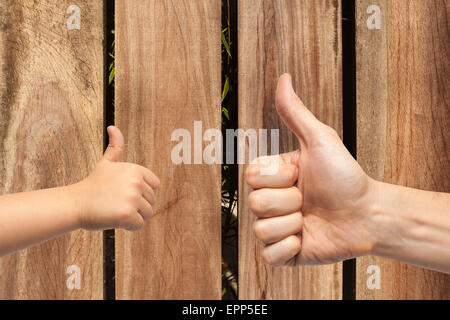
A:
[76,202]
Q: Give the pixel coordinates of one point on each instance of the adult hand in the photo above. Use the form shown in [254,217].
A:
[315,209]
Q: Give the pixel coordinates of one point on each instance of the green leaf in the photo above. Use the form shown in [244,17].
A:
[225,113]
[225,42]
[112,75]
[226,88]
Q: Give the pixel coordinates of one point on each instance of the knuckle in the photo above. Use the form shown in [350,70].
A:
[126,213]
[250,173]
[157,183]
[256,203]
[149,215]
[136,182]
[268,257]
[139,225]
[259,160]
[135,226]
[152,199]
[292,175]
[133,196]
[131,228]
[299,221]
[294,245]
[300,197]
[260,231]
[297,197]
[133,222]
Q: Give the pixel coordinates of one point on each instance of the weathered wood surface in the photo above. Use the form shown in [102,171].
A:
[403,121]
[168,60]
[304,39]
[51,104]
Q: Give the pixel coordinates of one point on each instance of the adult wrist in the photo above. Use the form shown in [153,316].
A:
[391,228]
[366,212]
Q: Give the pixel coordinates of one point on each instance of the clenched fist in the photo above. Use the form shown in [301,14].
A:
[314,210]
[116,194]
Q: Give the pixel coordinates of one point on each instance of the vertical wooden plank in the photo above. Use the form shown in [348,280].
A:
[51,104]
[303,38]
[403,121]
[168,59]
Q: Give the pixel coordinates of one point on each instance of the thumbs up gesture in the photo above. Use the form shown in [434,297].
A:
[116,194]
[314,210]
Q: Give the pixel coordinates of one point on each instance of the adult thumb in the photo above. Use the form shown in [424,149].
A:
[291,109]
[116,144]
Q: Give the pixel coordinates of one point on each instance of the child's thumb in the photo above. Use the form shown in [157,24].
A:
[116,144]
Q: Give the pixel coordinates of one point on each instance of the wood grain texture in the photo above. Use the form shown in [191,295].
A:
[303,38]
[403,125]
[51,104]
[168,60]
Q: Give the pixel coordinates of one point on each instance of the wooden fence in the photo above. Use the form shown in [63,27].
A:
[51,126]
[168,75]
[403,120]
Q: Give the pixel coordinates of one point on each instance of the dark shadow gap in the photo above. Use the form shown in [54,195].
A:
[349,118]
[109,269]
[230,172]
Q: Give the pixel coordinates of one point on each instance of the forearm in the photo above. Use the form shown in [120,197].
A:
[414,226]
[33,217]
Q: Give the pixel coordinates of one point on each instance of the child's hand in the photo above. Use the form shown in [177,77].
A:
[116,194]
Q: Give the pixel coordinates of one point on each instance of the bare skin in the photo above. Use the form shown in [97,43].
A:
[321,207]
[115,195]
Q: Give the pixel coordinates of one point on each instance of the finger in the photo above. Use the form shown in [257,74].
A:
[134,222]
[149,177]
[116,144]
[149,194]
[272,230]
[281,252]
[292,110]
[266,203]
[286,177]
[145,209]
